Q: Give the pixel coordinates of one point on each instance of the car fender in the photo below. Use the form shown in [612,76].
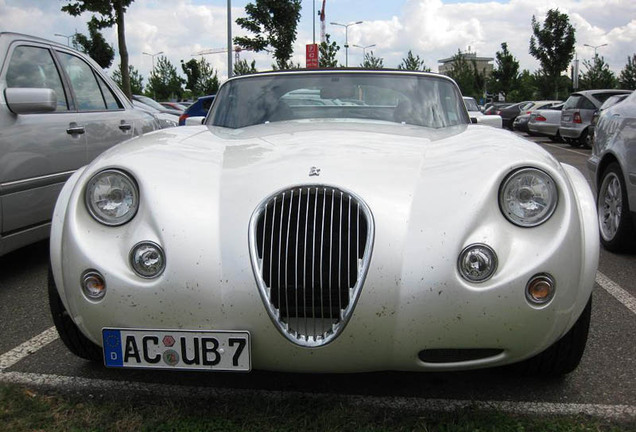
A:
[57,231]
[589,232]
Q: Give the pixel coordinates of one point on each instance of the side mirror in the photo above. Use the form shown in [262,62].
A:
[30,100]
[194,121]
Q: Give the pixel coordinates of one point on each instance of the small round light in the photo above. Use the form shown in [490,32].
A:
[528,197]
[477,263]
[147,259]
[540,289]
[112,197]
[93,285]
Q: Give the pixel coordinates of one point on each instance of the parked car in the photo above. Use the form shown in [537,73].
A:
[174,105]
[312,238]
[520,123]
[156,105]
[612,100]
[474,113]
[612,169]
[546,122]
[199,108]
[164,120]
[491,108]
[577,113]
[58,110]
[510,112]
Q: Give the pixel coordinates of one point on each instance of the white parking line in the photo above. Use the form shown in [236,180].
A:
[29,347]
[566,149]
[615,290]
[75,384]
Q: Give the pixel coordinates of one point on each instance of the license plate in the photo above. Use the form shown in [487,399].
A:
[566,118]
[178,349]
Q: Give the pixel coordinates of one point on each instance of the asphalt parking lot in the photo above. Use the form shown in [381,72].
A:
[604,384]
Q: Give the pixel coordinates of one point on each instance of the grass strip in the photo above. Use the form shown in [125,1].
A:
[25,409]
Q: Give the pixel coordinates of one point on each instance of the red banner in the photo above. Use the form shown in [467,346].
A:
[312,56]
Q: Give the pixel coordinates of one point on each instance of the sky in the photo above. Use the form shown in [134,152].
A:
[431,29]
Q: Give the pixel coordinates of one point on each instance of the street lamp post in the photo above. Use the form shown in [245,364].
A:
[68,38]
[153,57]
[346,26]
[364,49]
[595,47]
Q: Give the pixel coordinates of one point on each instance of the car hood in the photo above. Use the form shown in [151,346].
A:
[402,172]
[345,152]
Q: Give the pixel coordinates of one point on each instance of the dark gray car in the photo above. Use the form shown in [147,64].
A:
[58,110]
[612,169]
[577,113]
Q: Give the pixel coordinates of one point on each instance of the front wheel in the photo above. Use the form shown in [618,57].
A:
[615,222]
[564,355]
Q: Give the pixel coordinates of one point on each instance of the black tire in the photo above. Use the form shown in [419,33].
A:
[616,225]
[574,142]
[70,334]
[585,139]
[564,355]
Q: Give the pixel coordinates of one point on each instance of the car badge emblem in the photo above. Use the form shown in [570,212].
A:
[313,171]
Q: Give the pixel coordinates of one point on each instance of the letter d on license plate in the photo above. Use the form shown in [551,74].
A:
[179,349]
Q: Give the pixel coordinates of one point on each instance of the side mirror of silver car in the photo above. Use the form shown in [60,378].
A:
[30,100]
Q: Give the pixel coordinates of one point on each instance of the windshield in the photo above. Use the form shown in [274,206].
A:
[401,98]
[150,102]
[471,104]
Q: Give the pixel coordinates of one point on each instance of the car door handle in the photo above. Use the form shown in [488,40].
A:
[74,129]
[125,126]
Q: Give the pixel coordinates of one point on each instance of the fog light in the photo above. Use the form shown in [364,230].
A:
[477,263]
[147,259]
[540,289]
[93,285]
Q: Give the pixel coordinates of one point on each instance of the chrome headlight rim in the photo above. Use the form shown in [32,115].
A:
[550,208]
[492,262]
[95,212]
[139,271]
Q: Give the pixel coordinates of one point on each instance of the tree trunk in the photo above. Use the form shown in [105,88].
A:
[123,51]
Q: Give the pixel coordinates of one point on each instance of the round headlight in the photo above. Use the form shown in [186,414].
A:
[112,197]
[528,197]
[477,263]
[147,259]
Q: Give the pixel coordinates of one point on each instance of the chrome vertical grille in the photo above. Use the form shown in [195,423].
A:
[310,249]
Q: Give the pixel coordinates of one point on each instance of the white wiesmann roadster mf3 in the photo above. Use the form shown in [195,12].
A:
[327,221]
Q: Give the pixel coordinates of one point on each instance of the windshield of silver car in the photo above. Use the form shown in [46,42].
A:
[422,100]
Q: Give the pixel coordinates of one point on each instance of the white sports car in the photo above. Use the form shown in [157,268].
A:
[379,230]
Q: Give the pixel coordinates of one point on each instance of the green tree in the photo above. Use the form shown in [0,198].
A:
[164,83]
[136,80]
[627,78]
[111,13]
[553,45]
[242,67]
[414,63]
[273,23]
[193,74]
[506,72]
[201,78]
[327,53]
[598,75]
[95,45]
[372,62]
[470,80]
[208,82]
[526,88]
